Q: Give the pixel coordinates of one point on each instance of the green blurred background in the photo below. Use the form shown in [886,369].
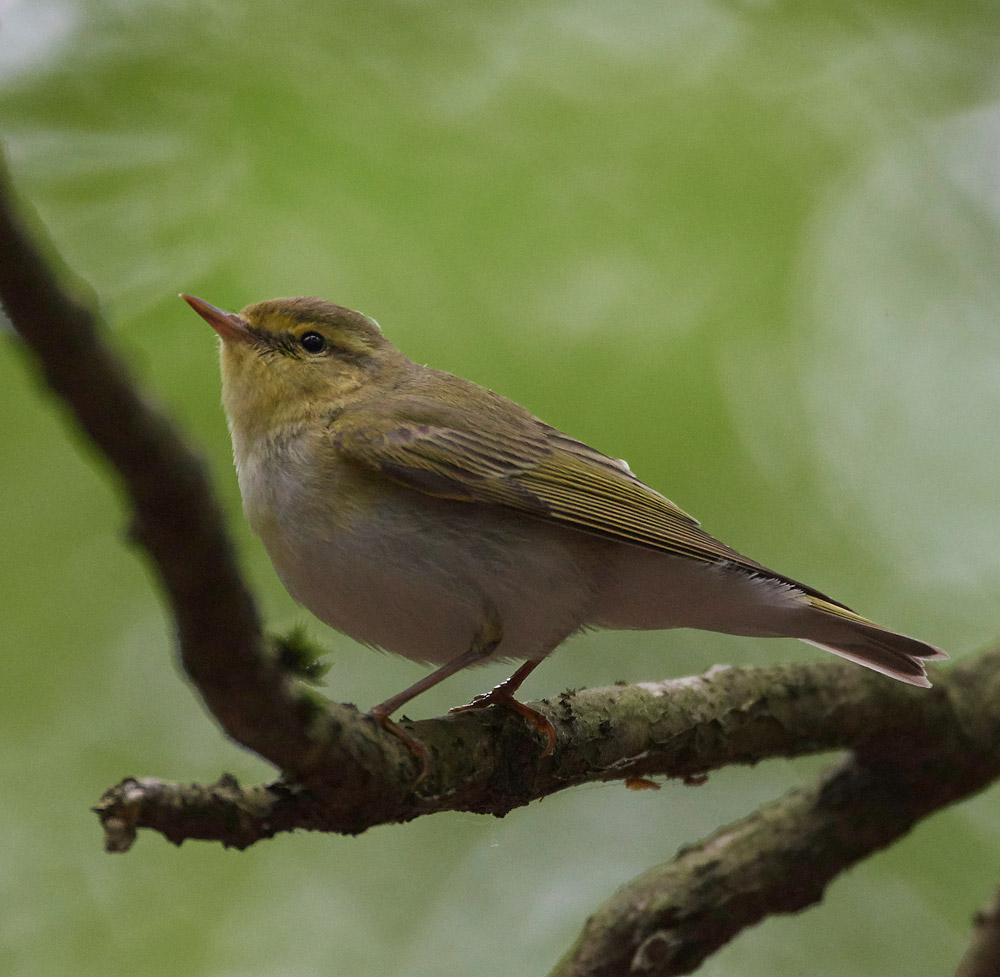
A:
[749,246]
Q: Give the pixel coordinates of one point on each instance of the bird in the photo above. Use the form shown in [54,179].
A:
[428,516]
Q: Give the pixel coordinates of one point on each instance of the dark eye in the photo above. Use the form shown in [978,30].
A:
[312,342]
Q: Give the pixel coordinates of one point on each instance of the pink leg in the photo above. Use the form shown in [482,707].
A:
[483,645]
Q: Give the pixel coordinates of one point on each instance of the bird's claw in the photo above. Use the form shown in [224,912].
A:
[501,697]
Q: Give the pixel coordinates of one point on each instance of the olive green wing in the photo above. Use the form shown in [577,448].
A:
[531,468]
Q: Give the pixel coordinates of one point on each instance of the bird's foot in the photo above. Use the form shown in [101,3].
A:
[501,696]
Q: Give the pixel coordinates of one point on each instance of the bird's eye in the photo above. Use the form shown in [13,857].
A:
[312,342]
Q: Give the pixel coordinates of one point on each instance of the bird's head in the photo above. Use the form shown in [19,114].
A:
[288,360]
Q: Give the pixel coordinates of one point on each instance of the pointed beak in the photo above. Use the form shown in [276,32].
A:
[228,325]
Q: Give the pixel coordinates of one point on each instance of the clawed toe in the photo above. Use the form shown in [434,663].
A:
[500,697]
[481,701]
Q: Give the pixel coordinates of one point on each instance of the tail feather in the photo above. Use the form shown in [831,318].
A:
[853,637]
[895,664]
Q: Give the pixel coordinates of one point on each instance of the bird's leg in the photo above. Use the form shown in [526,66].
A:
[484,643]
[503,695]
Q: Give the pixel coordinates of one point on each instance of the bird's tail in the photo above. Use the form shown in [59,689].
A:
[851,636]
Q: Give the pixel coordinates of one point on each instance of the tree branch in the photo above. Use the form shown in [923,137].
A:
[781,858]
[256,699]
[490,763]
[914,751]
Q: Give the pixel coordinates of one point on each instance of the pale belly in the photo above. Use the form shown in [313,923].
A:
[421,576]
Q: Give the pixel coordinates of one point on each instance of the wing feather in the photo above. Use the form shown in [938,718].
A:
[519,462]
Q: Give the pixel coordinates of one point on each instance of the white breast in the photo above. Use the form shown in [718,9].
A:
[413,574]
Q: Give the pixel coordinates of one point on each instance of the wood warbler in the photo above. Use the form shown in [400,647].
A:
[420,513]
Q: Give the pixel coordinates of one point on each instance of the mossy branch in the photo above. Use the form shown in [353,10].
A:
[781,858]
